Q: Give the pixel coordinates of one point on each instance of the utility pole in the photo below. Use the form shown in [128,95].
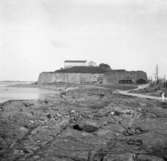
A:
[165,82]
[156,73]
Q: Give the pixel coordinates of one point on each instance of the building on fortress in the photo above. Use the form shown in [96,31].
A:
[74,63]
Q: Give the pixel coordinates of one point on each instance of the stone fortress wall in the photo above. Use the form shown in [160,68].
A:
[123,76]
[53,77]
[112,77]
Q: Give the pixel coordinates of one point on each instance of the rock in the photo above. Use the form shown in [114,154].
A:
[136,142]
[18,152]
[3,144]
[49,116]
[36,157]
[148,158]
[119,157]
[87,126]
[24,129]
[134,131]
[112,126]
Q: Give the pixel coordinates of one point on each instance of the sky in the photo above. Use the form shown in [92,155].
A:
[38,35]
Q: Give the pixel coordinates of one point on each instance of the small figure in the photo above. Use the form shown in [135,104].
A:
[163,96]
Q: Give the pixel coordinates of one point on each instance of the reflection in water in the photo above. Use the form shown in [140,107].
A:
[14,93]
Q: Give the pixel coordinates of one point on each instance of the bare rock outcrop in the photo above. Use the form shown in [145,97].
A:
[88,124]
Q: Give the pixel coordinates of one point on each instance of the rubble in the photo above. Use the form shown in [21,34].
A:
[87,124]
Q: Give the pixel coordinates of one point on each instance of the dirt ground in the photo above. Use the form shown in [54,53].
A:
[84,124]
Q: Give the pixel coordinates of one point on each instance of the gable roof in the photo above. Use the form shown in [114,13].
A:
[75,61]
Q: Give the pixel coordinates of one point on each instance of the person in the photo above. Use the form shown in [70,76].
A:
[163,96]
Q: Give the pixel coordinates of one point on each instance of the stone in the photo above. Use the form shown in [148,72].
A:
[119,157]
[148,158]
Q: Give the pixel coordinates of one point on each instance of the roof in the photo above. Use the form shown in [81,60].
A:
[81,69]
[75,61]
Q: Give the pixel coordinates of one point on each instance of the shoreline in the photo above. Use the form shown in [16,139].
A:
[62,87]
[16,100]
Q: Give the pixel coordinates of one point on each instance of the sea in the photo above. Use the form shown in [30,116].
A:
[8,91]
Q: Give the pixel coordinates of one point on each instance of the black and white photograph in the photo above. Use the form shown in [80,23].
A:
[83,80]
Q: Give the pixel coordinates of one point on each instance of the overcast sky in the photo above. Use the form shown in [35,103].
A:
[38,35]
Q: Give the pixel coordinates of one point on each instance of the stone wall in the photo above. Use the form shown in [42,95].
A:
[53,77]
[112,77]
[116,76]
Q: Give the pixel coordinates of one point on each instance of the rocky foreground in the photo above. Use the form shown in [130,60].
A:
[86,124]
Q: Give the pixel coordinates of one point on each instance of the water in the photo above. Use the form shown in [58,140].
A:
[21,93]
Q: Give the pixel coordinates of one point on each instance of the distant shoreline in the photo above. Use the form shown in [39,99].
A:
[11,86]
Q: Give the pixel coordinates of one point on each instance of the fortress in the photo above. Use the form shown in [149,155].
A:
[92,75]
